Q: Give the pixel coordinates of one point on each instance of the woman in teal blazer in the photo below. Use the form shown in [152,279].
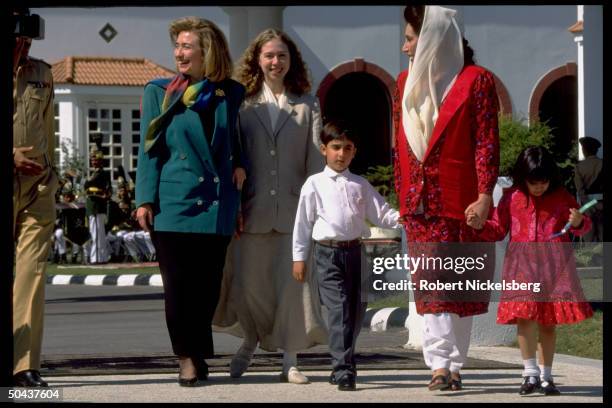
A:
[188,182]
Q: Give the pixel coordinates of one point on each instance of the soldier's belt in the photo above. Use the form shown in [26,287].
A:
[95,191]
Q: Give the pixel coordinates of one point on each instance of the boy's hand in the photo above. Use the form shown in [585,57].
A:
[473,220]
[299,270]
[575,217]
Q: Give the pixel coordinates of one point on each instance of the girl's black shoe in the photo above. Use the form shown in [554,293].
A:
[530,385]
[549,388]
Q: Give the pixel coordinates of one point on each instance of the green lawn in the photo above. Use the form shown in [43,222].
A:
[584,339]
[54,269]
[390,301]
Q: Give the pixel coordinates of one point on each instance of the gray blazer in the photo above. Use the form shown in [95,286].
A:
[277,161]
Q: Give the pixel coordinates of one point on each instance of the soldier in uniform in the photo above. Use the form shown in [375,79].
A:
[34,185]
[72,216]
[588,179]
[98,190]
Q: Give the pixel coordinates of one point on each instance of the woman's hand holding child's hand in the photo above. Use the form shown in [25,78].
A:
[473,220]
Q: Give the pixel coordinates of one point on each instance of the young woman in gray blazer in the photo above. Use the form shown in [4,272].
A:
[279,125]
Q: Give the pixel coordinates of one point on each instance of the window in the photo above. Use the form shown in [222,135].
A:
[119,126]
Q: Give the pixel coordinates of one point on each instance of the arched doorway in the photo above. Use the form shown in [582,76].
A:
[360,94]
[555,100]
[361,100]
[559,108]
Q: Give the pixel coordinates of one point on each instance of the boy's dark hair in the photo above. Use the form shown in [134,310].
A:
[535,163]
[336,129]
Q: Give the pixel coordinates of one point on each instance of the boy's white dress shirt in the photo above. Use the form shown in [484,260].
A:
[335,206]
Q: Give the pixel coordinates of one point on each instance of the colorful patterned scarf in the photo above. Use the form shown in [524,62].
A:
[196,97]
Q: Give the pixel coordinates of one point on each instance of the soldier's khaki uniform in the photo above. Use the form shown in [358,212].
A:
[33,208]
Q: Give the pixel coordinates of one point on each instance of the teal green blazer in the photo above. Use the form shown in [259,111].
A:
[186,179]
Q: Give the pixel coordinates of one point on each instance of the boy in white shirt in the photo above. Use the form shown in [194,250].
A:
[333,208]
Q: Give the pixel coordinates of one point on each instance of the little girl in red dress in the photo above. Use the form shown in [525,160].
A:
[533,210]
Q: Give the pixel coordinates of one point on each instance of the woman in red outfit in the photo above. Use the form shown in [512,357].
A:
[446,165]
[533,210]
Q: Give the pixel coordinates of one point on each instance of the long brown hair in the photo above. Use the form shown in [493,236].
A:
[414,15]
[249,74]
[217,62]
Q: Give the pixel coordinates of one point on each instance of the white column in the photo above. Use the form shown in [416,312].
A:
[581,122]
[593,72]
[578,39]
[238,30]
[246,22]
[66,131]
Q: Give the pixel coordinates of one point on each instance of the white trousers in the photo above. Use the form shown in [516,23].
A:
[139,245]
[446,339]
[59,245]
[115,241]
[100,248]
[149,243]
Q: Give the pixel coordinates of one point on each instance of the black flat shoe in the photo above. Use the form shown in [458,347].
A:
[332,379]
[347,383]
[188,382]
[529,387]
[193,381]
[201,369]
[29,378]
[549,388]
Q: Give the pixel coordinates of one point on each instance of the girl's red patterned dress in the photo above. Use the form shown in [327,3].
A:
[532,256]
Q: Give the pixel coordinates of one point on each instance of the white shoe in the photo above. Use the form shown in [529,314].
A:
[240,362]
[294,376]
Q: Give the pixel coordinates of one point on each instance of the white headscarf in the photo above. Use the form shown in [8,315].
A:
[437,62]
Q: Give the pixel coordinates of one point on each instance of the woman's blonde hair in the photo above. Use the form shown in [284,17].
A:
[217,61]
[249,74]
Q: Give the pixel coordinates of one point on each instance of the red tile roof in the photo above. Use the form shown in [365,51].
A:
[118,71]
[578,27]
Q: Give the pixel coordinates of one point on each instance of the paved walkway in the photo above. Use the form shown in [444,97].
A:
[491,375]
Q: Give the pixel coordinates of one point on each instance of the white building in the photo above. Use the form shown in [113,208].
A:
[548,63]
[102,95]
[543,69]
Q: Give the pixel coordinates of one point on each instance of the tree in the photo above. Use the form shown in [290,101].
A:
[381,178]
[515,136]
[73,167]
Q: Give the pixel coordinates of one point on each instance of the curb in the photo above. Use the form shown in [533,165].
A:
[377,320]
[382,319]
[143,279]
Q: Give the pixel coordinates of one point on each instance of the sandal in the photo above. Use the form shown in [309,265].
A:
[439,382]
[455,384]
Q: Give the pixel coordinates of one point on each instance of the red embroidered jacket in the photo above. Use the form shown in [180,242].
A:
[462,159]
